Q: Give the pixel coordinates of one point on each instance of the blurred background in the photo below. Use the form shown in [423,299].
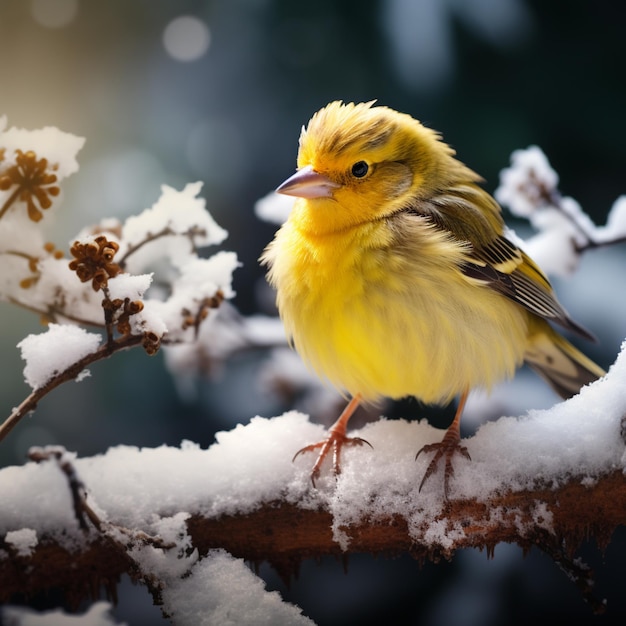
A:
[173,92]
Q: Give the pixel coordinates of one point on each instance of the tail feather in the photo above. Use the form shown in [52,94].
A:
[564,367]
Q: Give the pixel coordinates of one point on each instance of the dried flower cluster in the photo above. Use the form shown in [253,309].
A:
[94,261]
[33,181]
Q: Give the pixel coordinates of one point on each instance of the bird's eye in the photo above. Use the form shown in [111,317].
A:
[360,169]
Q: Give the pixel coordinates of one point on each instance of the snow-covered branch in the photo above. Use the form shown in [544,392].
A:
[529,188]
[286,534]
[524,484]
[108,283]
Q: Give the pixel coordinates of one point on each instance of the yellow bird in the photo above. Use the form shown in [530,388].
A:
[395,278]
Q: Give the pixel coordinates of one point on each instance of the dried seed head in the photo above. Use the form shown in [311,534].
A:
[151,343]
[34,181]
[94,261]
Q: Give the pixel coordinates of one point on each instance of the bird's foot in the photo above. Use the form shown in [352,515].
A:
[334,442]
[445,449]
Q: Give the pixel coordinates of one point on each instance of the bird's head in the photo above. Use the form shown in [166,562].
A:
[359,163]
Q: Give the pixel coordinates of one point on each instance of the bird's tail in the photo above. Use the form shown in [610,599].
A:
[564,367]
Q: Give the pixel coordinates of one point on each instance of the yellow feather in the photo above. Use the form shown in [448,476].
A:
[378,318]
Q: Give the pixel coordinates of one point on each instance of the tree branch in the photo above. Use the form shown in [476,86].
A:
[284,534]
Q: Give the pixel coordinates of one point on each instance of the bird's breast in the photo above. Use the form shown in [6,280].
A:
[381,315]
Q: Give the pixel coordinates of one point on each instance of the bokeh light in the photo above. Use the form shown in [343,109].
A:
[186,38]
[54,13]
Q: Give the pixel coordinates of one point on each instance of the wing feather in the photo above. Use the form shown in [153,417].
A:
[492,258]
[506,269]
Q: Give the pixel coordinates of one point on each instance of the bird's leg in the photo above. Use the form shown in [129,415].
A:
[447,447]
[335,440]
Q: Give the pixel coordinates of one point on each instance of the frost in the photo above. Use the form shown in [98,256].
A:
[54,351]
[23,541]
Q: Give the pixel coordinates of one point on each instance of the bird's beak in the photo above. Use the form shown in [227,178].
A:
[307,183]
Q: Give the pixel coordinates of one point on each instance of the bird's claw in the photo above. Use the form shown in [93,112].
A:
[333,442]
[446,448]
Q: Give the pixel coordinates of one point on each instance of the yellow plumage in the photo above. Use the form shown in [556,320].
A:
[394,277]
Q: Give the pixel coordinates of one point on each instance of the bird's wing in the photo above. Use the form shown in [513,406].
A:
[505,268]
[493,259]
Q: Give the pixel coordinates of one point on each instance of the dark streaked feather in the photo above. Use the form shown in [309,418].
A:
[493,259]
[505,268]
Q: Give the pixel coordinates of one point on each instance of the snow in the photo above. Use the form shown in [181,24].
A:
[129,286]
[262,330]
[58,147]
[23,541]
[176,212]
[198,280]
[19,234]
[274,207]
[50,353]
[529,189]
[524,184]
[97,615]
[247,466]
[162,242]
[204,276]
[615,224]
[218,580]
[156,489]
[166,565]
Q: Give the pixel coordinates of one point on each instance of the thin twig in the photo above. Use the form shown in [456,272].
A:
[591,244]
[82,509]
[52,313]
[553,198]
[30,403]
[75,484]
[167,231]
[108,315]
